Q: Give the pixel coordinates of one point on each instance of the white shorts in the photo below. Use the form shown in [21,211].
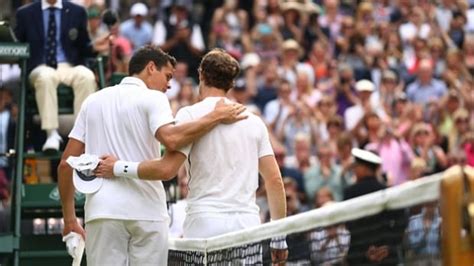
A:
[204,225]
[126,242]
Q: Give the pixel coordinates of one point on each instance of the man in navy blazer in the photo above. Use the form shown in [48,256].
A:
[59,42]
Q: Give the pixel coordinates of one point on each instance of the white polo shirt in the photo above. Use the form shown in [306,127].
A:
[223,165]
[122,120]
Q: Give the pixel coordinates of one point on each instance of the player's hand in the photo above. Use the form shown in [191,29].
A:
[279,256]
[230,113]
[73,226]
[106,166]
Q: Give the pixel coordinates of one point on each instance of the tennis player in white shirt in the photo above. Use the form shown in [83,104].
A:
[126,219]
[222,166]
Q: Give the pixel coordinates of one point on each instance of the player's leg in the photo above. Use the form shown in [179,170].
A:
[107,242]
[148,243]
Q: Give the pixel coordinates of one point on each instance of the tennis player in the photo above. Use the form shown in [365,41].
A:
[222,166]
[126,219]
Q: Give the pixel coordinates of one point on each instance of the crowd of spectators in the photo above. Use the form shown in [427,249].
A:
[392,76]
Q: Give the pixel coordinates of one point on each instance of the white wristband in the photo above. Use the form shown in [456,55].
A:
[126,169]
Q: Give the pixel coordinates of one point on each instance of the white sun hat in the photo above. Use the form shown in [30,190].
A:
[366,156]
[83,173]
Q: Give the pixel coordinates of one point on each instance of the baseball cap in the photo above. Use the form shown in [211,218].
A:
[365,85]
[139,9]
[83,176]
[366,156]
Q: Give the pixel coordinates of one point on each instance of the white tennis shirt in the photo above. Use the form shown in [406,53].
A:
[223,165]
[122,120]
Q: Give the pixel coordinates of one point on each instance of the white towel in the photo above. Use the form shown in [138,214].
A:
[75,247]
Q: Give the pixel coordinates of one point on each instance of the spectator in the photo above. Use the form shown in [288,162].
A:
[303,159]
[186,96]
[266,42]
[334,127]
[422,140]
[290,65]
[136,29]
[8,113]
[331,19]
[297,121]
[345,159]
[290,172]
[417,168]
[325,110]
[396,155]
[120,51]
[276,111]
[305,92]
[325,174]
[181,74]
[180,36]
[461,127]
[312,31]
[329,246]
[96,29]
[455,74]
[59,42]
[424,236]
[468,144]
[236,19]
[426,88]
[343,88]
[354,114]
[267,87]
[292,27]
[320,60]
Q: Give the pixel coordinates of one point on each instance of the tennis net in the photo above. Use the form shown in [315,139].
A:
[383,228]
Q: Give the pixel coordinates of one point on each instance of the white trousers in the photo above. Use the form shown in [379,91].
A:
[45,81]
[126,242]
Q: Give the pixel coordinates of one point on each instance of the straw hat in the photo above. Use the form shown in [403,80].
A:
[312,8]
[291,44]
[292,5]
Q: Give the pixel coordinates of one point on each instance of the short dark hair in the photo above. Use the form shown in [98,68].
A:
[146,54]
[219,69]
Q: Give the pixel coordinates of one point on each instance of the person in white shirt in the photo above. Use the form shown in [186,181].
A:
[126,220]
[222,166]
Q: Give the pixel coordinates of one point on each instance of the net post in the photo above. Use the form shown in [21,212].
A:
[457,188]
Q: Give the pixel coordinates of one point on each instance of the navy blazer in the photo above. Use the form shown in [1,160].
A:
[74,36]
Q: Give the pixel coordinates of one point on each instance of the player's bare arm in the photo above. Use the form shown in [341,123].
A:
[66,188]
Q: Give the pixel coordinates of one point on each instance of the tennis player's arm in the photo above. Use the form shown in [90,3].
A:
[176,136]
[164,168]
[161,169]
[66,188]
[270,172]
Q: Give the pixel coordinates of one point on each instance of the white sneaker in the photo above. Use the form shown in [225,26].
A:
[52,143]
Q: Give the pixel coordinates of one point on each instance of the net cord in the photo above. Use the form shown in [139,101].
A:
[402,196]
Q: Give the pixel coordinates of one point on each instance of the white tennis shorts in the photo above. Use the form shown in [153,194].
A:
[124,242]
